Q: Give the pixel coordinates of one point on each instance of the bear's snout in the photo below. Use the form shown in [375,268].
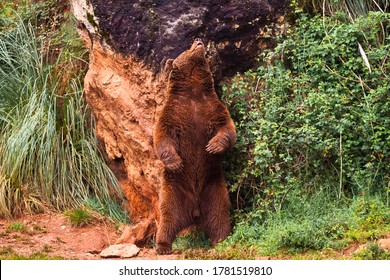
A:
[198,41]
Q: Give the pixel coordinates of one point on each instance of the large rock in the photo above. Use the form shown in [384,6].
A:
[129,43]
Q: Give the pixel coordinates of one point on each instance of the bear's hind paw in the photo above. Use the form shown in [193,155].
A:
[163,249]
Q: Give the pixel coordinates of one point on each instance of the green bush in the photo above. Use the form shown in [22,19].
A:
[316,115]
[370,213]
[311,166]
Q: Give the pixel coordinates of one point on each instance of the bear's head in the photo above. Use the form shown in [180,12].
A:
[190,72]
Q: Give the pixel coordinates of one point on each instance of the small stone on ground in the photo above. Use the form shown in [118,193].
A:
[120,251]
[384,244]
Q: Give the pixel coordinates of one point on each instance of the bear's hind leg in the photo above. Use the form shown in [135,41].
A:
[214,218]
[173,218]
[165,236]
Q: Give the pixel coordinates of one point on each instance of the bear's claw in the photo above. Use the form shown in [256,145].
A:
[171,161]
[214,148]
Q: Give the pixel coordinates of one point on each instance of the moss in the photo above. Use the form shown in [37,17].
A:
[91,20]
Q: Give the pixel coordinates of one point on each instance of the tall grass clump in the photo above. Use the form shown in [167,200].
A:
[352,8]
[48,149]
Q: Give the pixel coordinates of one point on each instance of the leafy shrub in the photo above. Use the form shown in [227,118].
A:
[316,115]
[370,213]
[313,132]
[370,219]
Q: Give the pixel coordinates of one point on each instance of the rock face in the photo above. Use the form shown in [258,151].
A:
[125,98]
[129,43]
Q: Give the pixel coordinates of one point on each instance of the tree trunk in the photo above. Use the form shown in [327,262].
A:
[129,43]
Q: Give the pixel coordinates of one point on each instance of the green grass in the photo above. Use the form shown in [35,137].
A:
[311,228]
[48,148]
[109,209]
[16,227]
[79,217]
[7,253]
[194,239]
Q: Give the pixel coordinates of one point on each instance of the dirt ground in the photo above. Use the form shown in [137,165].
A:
[53,234]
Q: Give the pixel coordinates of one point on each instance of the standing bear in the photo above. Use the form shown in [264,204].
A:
[192,133]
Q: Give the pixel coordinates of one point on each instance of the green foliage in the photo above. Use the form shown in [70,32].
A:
[48,149]
[370,213]
[309,223]
[316,116]
[312,161]
[372,252]
[45,15]
[370,217]
[305,223]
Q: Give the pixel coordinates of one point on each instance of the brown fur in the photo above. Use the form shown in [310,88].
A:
[193,131]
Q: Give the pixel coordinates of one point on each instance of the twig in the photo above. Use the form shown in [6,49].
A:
[341,164]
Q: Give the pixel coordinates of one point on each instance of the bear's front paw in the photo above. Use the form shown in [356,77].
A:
[171,161]
[216,146]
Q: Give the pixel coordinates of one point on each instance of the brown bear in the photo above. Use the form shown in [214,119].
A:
[192,133]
